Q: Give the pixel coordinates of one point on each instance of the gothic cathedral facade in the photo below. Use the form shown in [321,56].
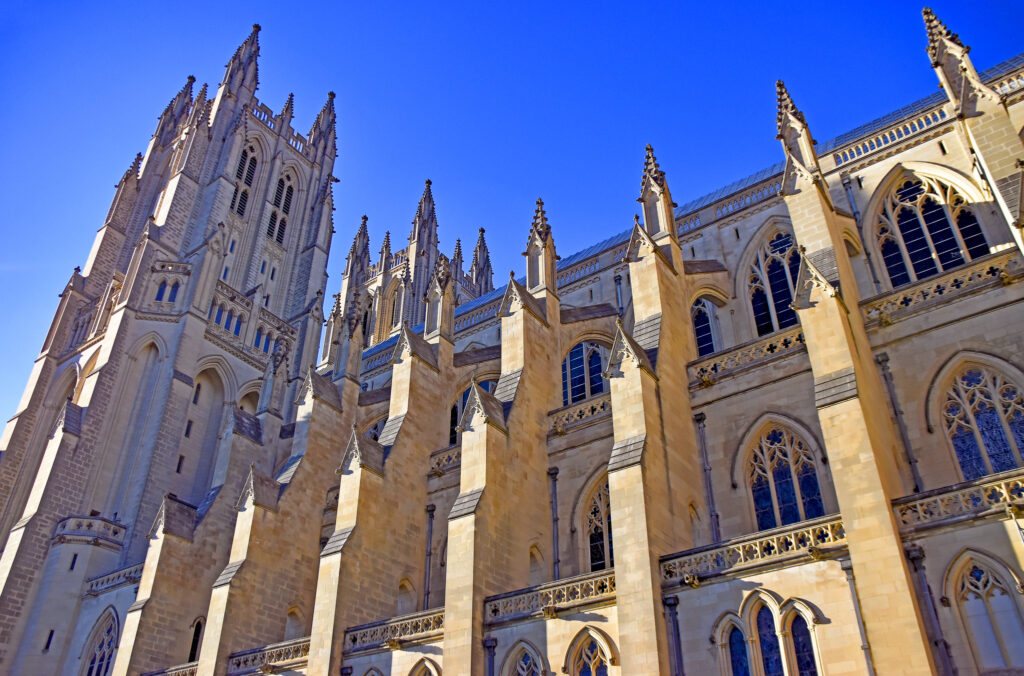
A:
[778,429]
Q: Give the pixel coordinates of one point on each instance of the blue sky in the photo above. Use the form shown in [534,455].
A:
[497,103]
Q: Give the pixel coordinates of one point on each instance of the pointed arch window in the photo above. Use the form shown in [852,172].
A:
[738,658]
[597,529]
[926,227]
[783,479]
[526,664]
[990,617]
[98,658]
[589,660]
[282,205]
[983,414]
[758,643]
[197,638]
[768,642]
[160,291]
[702,314]
[582,372]
[772,282]
[174,292]
[460,405]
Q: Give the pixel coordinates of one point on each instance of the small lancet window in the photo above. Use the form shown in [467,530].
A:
[984,419]
[772,282]
[280,231]
[287,206]
[926,227]
[702,315]
[259,336]
[243,199]
[197,636]
[598,530]
[160,291]
[272,225]
[174,293]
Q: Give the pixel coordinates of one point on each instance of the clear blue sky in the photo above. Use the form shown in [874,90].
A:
[497,103]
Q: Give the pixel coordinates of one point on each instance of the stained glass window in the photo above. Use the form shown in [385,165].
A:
[738,656]
[926,227]
[803,648]
[984,420]
[590,660]
[598,530]
[772,282]
[783,479]
[527,665]
[771,656]
[702,329]
[991,618]
[582,372]
[98,659]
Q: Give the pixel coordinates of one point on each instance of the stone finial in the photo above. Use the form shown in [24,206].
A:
[652,171]
[540,224]
[785,107]
[937,31]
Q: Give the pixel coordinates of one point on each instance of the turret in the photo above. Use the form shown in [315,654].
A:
[480,269]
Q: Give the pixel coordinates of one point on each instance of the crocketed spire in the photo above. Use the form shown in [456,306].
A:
[651,169]
[937,31]
[785,106]
[540,225]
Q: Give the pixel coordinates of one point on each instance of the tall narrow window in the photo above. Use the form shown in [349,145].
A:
[738,656]
[280,231]
[287,206]
[984,419]
[702,328]
[197,635]
[783,480]
[160,291]
[771,283]
[803,648]
[582,372]
[279,192]
[243,199]
[598,530]
[195,393]
[174,292]
[272,225]
[926,227]
[768,641]
[990,617]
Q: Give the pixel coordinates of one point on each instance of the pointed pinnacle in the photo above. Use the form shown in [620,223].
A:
[785,106]
[936,32]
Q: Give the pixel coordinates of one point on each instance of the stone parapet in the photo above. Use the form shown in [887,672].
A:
[580,414]
[705,372]
[424,626]
[789,545]
[549,599]
[89,530]
[967,501]
[271,658]
[114,580]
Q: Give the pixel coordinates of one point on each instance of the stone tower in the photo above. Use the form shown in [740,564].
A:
[206,278]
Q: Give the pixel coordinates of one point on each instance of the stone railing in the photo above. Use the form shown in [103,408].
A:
[115,579]
[775,547]
[706,371]
[548,599]
[583,413]
[889,136]
[758,193]
[277,654]
[1000,268]
[477,316]
[1009,84]
[951,504]
[264,114]
[445,459]
[692,222]
[92,529]
[579,271]
[379,359]
[422,626]
[189,669]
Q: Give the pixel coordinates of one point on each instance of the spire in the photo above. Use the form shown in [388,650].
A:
[785,108]
[797,142]
[385,251]
[198,112]
[480,270]
[937,34]
[288,111]
[322,133]
[652,172]
[358,260]
[242,69]
[425,219]
[457,260]
[540,226]
[175,111]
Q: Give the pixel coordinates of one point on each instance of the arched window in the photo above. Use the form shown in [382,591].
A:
[702,314]
[246,173]
[282,201]
[990,617]
[589,660]
[739,660]
[174,293]
[783,479]
[460,405]
[597,529]
[803,647]
[98,657]
[259,336]
[197,638]
[406,598]
[926,227]
[581,372]
[768,643]
[526,664]
[984,418]
[772,281]
[160,291]
[294,624]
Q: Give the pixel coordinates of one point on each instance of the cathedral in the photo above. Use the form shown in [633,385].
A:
[774,430]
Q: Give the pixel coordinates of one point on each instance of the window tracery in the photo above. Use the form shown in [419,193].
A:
[245,174]
[757,642]
[582,372]
[523,661]
[98,658]
[597,528]
[783,479]
[984,419]
[990,617]
[926,227]
[771,284]
[589,660]
[282,204]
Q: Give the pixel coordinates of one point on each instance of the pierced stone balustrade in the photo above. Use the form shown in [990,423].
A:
[797,542]
[707,371]
[114,579]
[445,459]
[93,530]
[418,627]
[999,268]
[271,658]
[549,599]
[189,669]
[959,502]
[582,413]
